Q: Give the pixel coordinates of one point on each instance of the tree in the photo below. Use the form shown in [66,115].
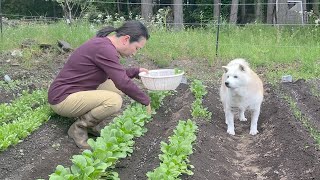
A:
[282,12]
[270,11]
[216,10]
[71,7]
[315,7]
[67,8]
[234,11]
[178,14]
[304,7]
[243,11]
[146,9]
[258,11]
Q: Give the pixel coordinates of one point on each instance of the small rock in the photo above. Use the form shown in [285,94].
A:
[64,46]
[286,78]
[15,64]
[7,78]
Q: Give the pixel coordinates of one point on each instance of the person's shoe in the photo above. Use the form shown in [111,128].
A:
[96,130]
[78,132]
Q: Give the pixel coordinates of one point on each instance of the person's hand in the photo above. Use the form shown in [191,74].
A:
[149,110]
[143,70]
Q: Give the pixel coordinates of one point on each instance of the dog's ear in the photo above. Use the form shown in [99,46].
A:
[241,67]
[225,68]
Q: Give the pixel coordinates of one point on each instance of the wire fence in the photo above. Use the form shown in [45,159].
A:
[243,9]
[192,4]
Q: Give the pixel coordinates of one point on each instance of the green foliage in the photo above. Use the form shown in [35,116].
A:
[157,98]
[75,8]
[30,8]
[46,33]
[22,105]
[10,86]
[198,90]
[279,51]
[174,157]
[199,111]
[178,71]
[21,117]
[115,142]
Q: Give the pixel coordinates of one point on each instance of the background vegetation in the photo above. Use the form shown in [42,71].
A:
[274,49]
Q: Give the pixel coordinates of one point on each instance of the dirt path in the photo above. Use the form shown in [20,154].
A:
[147,148]
[39,154]
[282,149]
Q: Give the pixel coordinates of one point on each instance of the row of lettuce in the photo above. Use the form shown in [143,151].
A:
[22,116]
[25,114]
[175,154]
[117,141]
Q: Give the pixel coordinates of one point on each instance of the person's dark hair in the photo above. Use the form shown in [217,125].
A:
[135,29]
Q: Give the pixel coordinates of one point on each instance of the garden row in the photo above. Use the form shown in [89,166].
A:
[25,114]
[117,141]
[22,116]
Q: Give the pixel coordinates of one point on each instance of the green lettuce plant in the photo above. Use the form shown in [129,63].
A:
[174,157]
[115,142]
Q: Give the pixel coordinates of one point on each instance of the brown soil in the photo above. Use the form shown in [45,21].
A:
[283,149]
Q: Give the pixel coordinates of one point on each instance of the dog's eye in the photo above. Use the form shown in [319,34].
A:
[227,76]
[235,76]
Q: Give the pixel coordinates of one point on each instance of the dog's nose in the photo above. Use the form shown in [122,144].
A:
[227,84]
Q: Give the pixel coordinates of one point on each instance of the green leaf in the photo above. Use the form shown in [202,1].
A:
[88,170]
[80,161]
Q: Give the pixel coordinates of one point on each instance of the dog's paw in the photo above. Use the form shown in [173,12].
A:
[231,132]
[254,132]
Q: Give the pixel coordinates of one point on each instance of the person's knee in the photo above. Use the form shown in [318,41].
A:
[114,104]
[118,103]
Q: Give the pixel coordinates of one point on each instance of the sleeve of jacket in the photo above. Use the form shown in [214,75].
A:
[132,72]
[110,63]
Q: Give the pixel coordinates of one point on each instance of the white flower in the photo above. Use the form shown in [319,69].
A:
[317,21]
[92,28]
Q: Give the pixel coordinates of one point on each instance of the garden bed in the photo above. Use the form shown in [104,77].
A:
[283,149]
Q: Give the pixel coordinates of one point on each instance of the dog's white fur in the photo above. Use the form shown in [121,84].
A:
[241,89]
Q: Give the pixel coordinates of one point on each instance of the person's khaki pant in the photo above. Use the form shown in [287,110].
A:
[101,103]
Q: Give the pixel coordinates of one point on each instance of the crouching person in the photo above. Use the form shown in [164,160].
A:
[90,86]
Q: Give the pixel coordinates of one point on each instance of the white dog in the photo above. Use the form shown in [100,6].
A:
[241,89]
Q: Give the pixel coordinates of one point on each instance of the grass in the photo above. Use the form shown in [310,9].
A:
[45,33]
[314,90]
[279,51]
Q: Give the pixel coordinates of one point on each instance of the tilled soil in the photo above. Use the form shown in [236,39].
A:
[283,149]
